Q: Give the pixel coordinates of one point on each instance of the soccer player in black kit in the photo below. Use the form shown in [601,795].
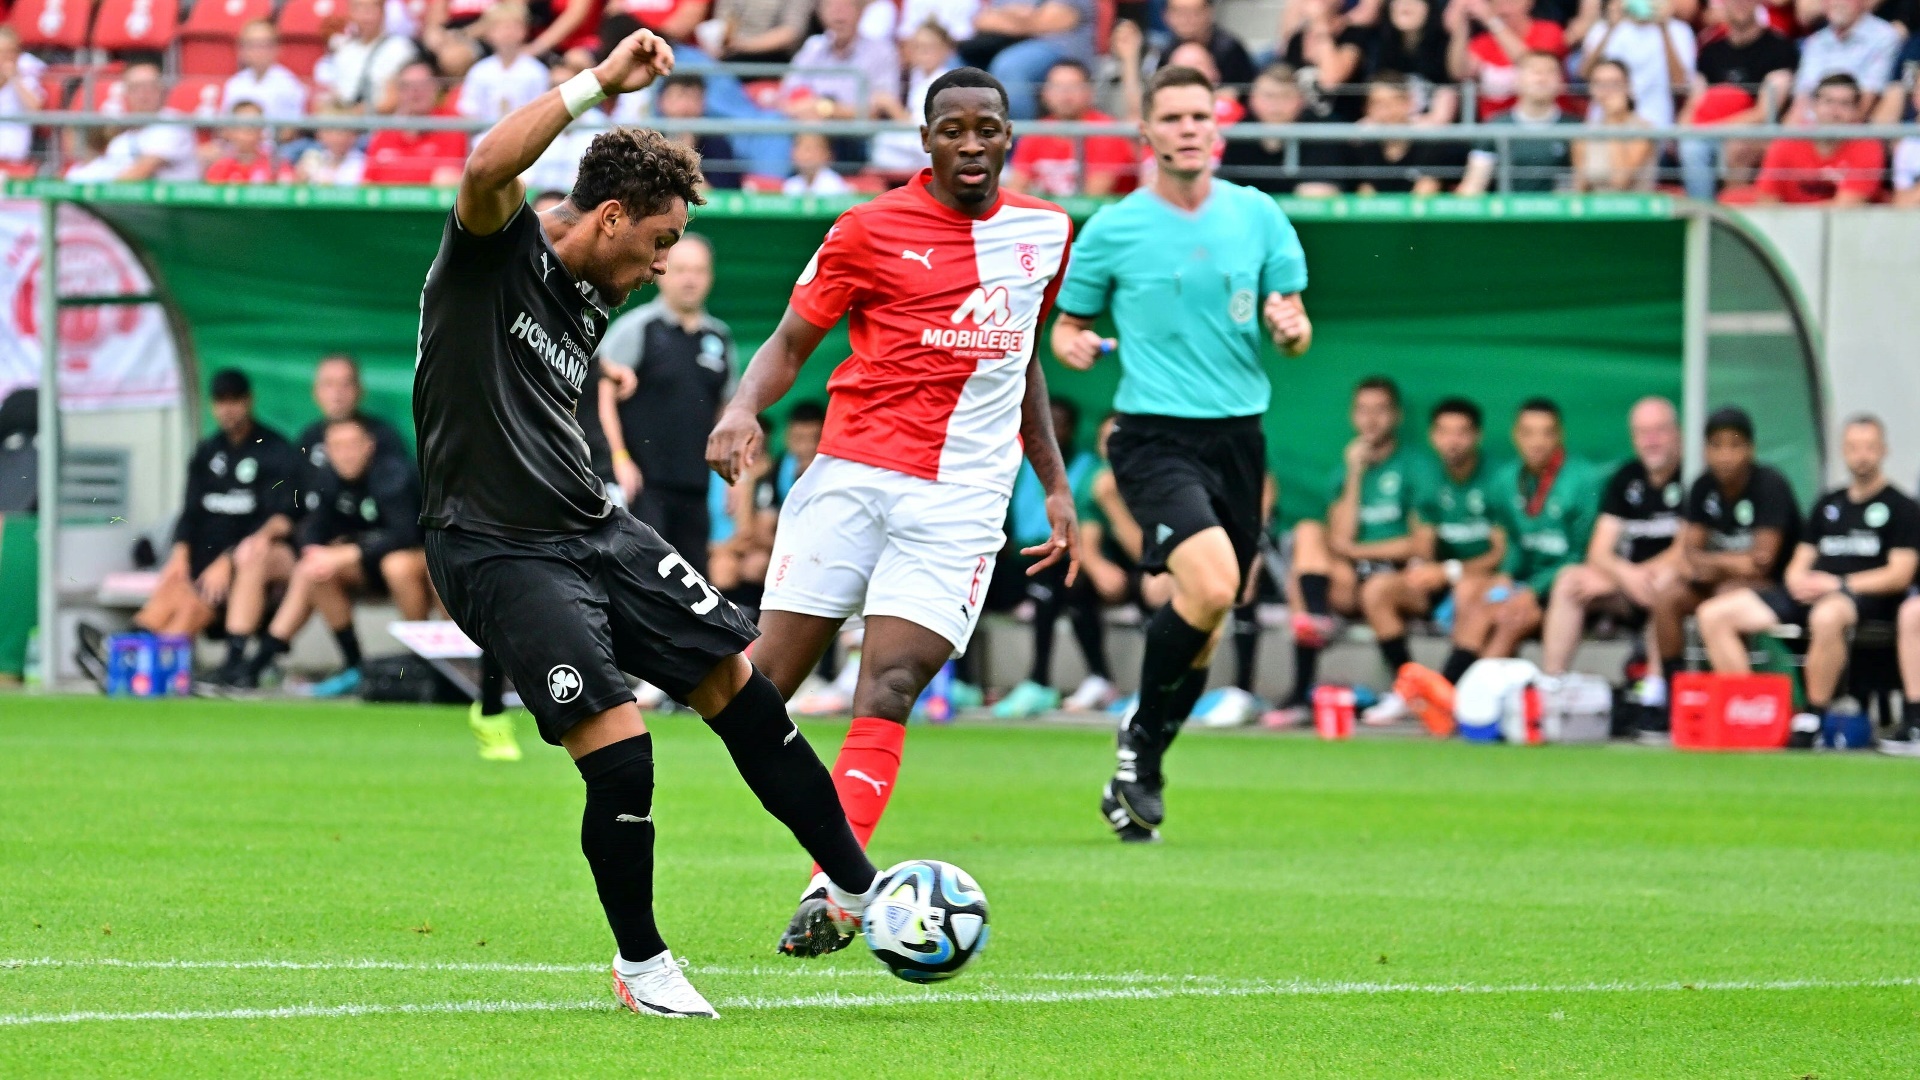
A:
[533,561]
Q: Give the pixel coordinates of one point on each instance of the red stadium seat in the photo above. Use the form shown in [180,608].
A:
[207,37]
[104,95]
[136,25]
[197,94]
[305,26]
[52,24]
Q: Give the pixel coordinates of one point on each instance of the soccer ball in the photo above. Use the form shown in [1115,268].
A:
[927,920]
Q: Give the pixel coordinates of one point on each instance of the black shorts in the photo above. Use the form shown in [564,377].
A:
[565,617]
[1180,477]
[1881,608]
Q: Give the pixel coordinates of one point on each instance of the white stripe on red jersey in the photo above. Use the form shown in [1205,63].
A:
[944,312]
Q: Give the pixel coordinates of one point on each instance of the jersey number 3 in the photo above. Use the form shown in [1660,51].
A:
[691,579]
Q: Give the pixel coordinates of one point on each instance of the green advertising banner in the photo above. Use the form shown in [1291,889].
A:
[1498,299]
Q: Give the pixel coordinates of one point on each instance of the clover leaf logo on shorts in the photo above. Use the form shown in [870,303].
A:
[563,683]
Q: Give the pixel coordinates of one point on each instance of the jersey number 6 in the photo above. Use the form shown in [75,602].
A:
[709,599]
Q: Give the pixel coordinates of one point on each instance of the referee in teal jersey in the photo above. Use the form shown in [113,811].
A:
[1192,267]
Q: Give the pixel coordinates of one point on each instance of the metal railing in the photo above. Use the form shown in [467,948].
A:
[1500,138]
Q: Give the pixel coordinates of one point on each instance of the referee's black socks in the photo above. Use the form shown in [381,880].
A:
[1167,687]
[616,833]
[782,769]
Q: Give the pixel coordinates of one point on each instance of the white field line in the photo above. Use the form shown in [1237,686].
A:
[834,1000]
[787,970]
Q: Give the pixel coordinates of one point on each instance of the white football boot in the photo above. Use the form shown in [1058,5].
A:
[658,987]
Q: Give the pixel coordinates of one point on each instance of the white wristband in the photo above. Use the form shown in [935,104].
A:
[582,92]
[1454,571]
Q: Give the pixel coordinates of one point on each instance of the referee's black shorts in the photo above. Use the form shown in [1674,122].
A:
[566,616]
[1180,476]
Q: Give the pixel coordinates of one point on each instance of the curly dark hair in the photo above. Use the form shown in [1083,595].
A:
[640,168]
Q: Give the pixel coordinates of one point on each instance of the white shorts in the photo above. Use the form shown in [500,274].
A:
[855,539]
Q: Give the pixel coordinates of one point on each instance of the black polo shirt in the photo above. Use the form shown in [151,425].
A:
[685,377]
[232,489]
[1649,513]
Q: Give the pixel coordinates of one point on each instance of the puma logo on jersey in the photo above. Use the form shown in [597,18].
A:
[924,260]
[543,266]
[879,786]
[632,818]
[983,307]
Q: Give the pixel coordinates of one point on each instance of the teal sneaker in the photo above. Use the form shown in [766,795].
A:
[340,684]
[1029,699]
[965,695]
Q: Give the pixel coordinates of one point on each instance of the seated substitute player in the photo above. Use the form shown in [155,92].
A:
[1367,530]
[1905,740]
[1198,273]
[945,284]
[1547,503]
[264,563]
[1456,541]
[240,487]
[1630,557]
[1853,564]
[534,563]
[1742,522]
[360,536]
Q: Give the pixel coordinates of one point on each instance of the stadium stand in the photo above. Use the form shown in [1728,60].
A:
[128,26]
[211,28]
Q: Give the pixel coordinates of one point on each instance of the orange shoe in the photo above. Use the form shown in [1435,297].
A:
[1429,697]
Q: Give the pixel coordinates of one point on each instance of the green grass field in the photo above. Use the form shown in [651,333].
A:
[191,888]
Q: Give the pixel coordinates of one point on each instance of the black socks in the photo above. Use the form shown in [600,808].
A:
[776,762]
[1395,653]
[1314,591]
[1171,647]
[1246,644]
[616,833]
[1169,685]
[1458,662]
[1306,668]
[349,643]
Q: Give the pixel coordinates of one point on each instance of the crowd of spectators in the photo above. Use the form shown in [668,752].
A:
[1528,63]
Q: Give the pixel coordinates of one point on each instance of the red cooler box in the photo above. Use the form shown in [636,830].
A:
[1731,712]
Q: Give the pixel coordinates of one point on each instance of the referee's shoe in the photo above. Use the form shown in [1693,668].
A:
[1132,802]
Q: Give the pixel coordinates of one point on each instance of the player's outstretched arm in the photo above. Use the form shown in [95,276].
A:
[490,188]
[734,444]
[1043,452]
[1075,344]
[1288,323]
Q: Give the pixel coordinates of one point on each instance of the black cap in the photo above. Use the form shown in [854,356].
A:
[1730,418]
[229,384]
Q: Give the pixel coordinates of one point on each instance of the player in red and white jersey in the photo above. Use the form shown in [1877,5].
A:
[945,284]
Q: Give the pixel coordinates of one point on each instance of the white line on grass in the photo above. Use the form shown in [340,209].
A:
[943,997]
[787,970]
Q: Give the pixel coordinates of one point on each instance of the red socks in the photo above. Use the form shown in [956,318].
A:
[864,773]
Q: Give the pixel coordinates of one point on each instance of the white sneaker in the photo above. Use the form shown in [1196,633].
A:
[649,696]
[1387,711]
[1093,692]
[658,987]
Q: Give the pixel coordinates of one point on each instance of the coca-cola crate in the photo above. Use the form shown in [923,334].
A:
[1731,712]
